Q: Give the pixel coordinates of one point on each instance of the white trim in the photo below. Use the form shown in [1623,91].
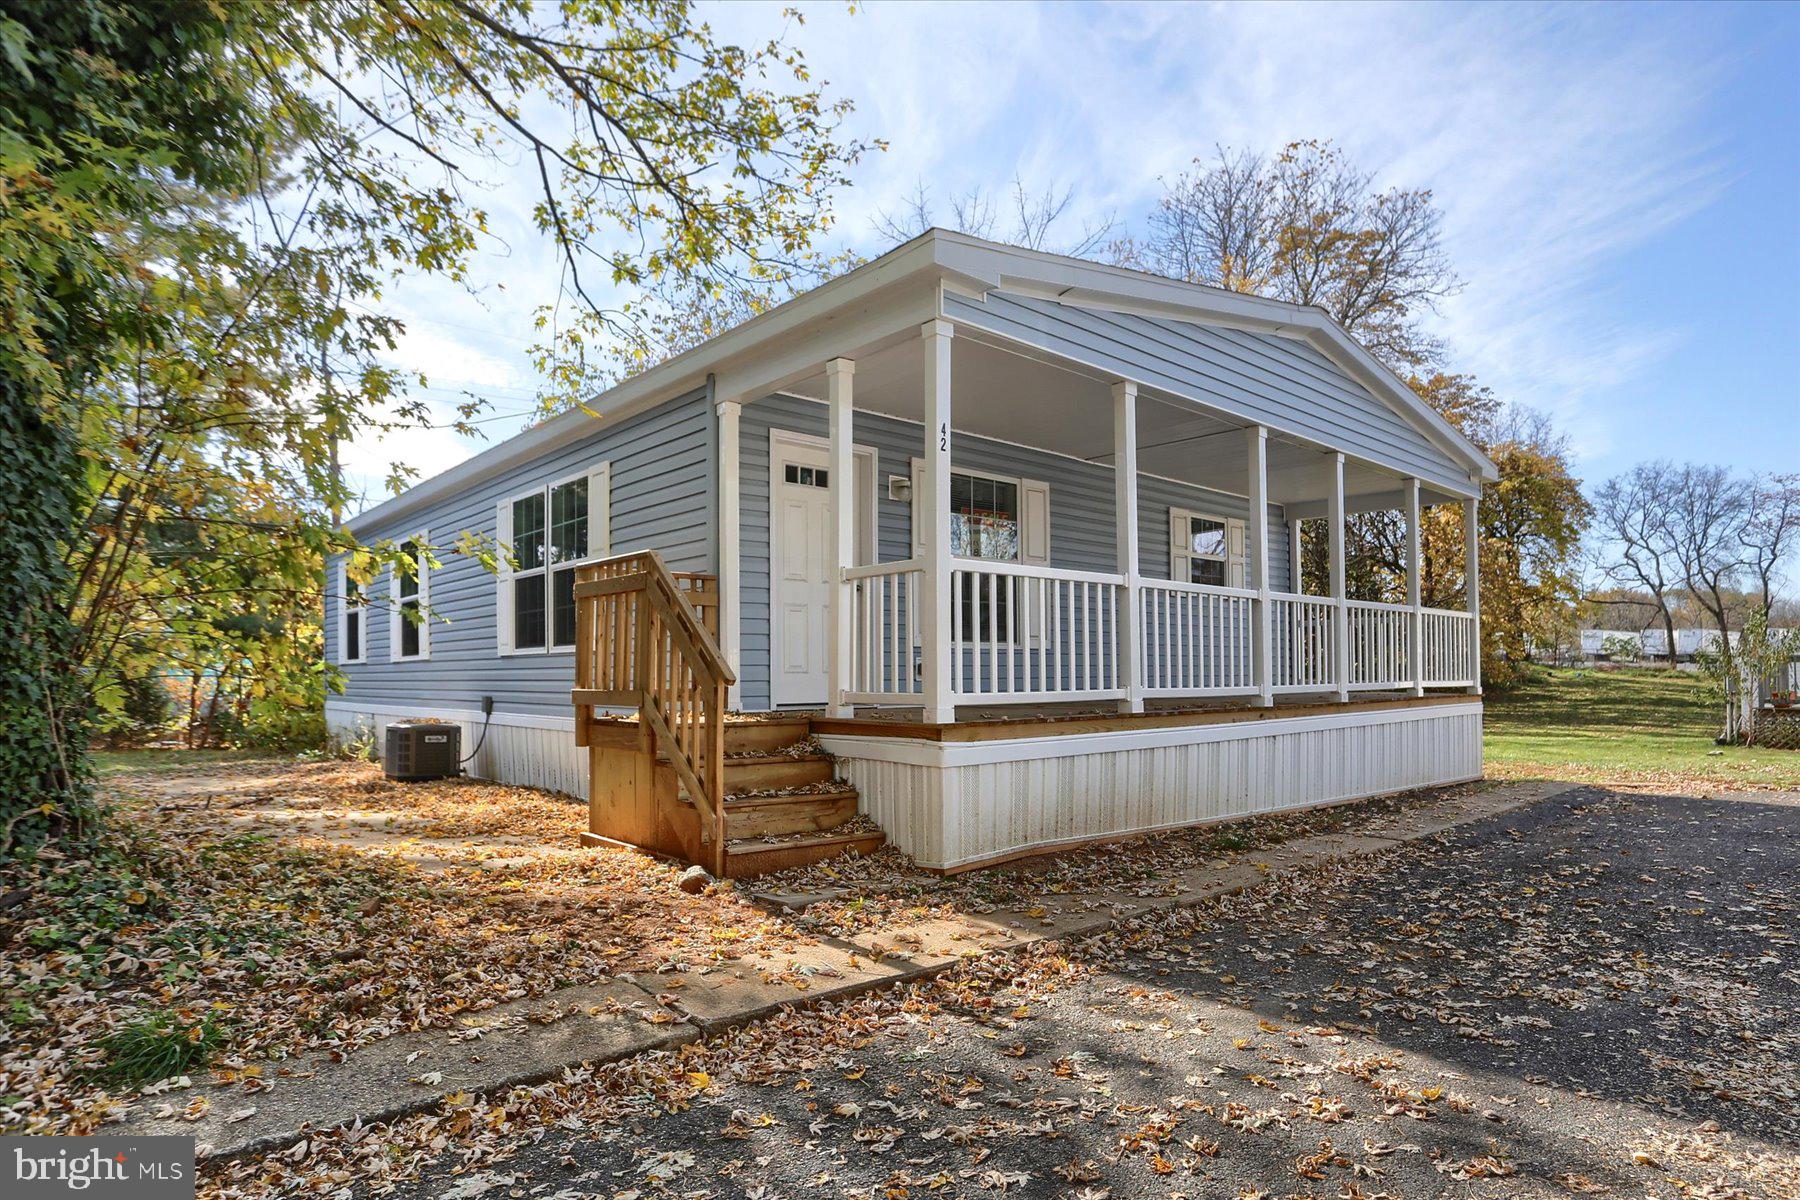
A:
[1180,556]
[1000,441]
[804,449]
[345,608]
[728,414]
[924,752]
[510,720]
[840,375]
[421,539]
[599,538]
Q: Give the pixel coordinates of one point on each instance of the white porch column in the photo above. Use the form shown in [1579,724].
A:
[935,630]
[1256,533]
[1415,621]
[840,375]
[1340,615]
[1472,585]
[730,576]
[1125,518]
[1295,584]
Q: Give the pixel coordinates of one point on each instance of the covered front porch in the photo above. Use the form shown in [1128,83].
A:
[985,595]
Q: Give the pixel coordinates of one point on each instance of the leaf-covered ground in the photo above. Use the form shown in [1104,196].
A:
[250,916]
[1589,997]
[274,910]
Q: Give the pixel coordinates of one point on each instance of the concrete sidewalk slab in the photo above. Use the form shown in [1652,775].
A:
[492,1050]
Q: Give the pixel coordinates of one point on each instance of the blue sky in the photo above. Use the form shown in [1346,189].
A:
[1620,185]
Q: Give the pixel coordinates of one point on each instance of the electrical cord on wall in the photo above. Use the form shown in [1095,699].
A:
[487,718]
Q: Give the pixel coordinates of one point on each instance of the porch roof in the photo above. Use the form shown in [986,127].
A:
[878,307]
[1011,393]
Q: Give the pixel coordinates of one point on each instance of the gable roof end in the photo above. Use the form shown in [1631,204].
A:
[993,266]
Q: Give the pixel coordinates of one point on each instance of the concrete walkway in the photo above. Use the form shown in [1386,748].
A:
[529,1041]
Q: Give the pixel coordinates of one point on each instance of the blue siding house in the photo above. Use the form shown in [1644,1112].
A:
[1015,536]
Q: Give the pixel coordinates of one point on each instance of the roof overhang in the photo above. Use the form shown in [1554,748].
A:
[887,298]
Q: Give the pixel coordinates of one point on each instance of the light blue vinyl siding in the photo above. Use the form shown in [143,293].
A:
[663,466]
[1081,509]
[1282,380]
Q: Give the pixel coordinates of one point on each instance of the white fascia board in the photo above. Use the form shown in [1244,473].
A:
[1095,285]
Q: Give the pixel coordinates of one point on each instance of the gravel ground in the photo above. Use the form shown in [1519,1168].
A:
[1593,996]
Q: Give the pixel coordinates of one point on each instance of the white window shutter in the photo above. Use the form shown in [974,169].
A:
[599,493]
[423,570]
[1034,522]
[394,618]
[1034,550]
[1234,533]
[503,589]
[1180,568]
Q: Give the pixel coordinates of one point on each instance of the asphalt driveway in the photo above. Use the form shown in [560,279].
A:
[1592,996]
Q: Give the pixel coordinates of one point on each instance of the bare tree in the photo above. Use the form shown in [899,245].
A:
[1770,530]
[1310,227]
[1633,512]
[1707,510]
[1028,218]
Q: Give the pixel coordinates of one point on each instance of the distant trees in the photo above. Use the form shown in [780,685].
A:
[1632,515]
[1309,226]
[1703,536]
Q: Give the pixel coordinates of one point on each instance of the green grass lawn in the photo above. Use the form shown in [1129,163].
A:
[1638,725]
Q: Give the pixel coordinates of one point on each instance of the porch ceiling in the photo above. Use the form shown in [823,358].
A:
[1025,398]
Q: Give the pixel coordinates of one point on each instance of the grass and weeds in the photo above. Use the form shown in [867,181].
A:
[160,1046]
[1633,725]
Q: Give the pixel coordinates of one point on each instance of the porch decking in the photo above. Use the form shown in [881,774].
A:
[988,722]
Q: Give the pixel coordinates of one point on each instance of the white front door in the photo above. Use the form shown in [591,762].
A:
[799,569]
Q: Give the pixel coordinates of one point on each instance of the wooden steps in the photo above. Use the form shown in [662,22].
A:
[772,772]
[764,814]
[759,857]
[784,805]
[743,737]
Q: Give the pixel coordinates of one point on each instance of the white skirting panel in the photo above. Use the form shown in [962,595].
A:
[538,752]
[949,804]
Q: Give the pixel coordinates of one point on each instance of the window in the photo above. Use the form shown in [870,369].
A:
[818,477]
[551,531]
[984,517]
[1206,549]
[409,630]
[984,524]
[351,617]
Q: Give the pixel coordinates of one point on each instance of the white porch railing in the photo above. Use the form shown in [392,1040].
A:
[1023,634]
[1197,639]
[1378,652]
[1449,648]
[1026,634]
[1302,656]
[885,604]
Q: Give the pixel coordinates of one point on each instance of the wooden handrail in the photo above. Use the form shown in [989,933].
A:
[641,637]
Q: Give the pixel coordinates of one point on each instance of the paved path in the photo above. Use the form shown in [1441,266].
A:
[1588,996]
